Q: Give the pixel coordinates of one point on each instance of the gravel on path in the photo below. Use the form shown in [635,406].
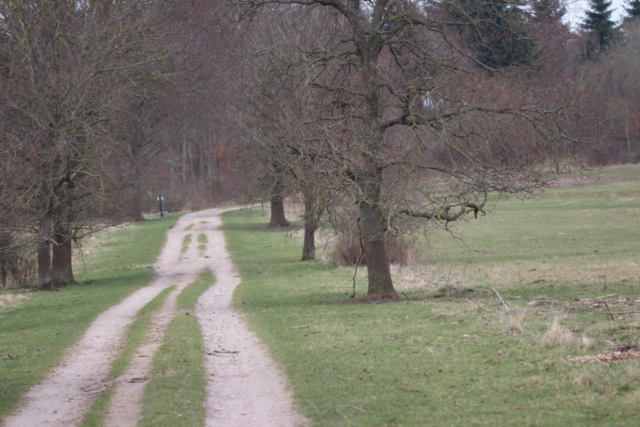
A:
[245,387]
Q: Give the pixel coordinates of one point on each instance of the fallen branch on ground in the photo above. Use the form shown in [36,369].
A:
[503,303]
[597,299]
[481,308]
[610,313]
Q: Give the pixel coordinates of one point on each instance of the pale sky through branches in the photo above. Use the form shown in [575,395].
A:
[576,10]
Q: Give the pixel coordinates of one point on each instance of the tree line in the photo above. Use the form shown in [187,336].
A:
[382,118]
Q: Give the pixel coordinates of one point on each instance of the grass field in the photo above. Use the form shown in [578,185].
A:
[39,328]
[456,356]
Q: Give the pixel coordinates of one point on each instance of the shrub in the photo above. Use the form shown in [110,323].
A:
[18,265]
[347,250]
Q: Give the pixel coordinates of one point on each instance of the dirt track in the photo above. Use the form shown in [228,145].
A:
[245,387]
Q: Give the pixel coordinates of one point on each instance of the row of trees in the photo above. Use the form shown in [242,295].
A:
[96,99]
[383,117]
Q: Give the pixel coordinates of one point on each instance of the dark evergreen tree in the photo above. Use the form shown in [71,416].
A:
[599,26]
[496,30]
[633,10]
[548,10]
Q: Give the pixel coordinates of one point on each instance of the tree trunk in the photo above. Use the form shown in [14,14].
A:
[277,207]
[5,242]
[3,272]
[310,227]
[373,230]
[184,160]
[62,268]
[44,254]
[134,205]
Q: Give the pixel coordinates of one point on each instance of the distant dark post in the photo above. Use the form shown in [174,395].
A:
[160,199]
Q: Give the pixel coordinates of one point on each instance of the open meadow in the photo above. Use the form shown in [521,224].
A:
[566,263]
[454,355]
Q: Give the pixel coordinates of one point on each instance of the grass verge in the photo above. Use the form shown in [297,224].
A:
[176,394]
[202,238]
[441,359]
[40,328]
[135,336]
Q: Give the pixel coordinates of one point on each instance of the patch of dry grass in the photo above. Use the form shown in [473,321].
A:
[556,335]
[585,342]
[8,299]
[514,320]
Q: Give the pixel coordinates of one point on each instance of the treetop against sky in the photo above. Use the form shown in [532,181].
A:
[575,11]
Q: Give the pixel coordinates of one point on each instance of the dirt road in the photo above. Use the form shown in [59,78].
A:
[245,387]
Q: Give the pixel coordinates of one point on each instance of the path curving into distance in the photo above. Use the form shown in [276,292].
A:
[244,388]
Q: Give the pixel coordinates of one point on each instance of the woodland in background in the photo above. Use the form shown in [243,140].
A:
[105,105]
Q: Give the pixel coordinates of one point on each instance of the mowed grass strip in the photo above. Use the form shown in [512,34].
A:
[186,240]
[135,336]
[39,329]
[443,360]
[176,394]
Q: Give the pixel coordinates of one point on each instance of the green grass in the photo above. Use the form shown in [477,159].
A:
[202,239]
[98,411]
[39,329]
[444,361]
[134,337]
[185,242]
[176,394]
[189,227]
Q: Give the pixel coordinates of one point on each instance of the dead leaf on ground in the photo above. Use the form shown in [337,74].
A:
[10,357]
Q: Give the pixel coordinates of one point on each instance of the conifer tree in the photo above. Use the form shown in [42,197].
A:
[549,10]
[496,31]
[633,10]
[599,25]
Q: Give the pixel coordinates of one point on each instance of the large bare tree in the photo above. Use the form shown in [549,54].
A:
[407,123]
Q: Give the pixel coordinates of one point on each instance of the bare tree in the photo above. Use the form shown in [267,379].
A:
[72,70]
[408,124]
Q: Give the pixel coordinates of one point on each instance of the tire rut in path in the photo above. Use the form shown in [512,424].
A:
[125,405]
[245,387]
[64,397]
